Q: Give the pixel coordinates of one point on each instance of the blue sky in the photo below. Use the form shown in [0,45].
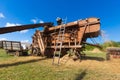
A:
[18,12]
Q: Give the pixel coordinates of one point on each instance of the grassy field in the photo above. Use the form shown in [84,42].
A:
[93,67]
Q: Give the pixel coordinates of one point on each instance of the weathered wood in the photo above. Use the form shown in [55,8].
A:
[75,33]
[77,46]
[40,42]
[92,29]
[14,48]
[11,45]
[113,51]
[22,27]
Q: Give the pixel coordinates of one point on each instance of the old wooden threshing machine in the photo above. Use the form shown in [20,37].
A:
[57,40]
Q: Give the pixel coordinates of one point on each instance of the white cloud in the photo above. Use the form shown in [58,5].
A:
[1,15]
[1,39]
[34,21]
[25,41]
[15,24]
[24,31]
[11,24]
[41,21]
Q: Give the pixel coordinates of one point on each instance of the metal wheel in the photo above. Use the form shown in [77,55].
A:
[35,51]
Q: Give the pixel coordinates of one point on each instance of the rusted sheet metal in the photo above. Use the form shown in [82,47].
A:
[22,27]
[81,23]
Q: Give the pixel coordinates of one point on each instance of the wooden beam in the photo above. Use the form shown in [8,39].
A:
[77,46]
[22,27]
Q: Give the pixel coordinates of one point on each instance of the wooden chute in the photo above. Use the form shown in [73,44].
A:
[22,27]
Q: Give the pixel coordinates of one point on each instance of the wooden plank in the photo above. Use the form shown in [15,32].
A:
[40,42]
[77,46]
[21,27]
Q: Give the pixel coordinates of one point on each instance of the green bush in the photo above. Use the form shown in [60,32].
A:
[89,48]
[110,44]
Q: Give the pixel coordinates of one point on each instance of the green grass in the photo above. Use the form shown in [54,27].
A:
[97,55]
[37,68]
[4,56]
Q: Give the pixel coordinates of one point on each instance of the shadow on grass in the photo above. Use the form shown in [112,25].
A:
[93,58]
[81,75]
[20,62]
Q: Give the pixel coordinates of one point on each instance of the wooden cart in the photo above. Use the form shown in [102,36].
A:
[13,48]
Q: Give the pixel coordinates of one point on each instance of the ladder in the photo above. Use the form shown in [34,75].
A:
[59,43]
